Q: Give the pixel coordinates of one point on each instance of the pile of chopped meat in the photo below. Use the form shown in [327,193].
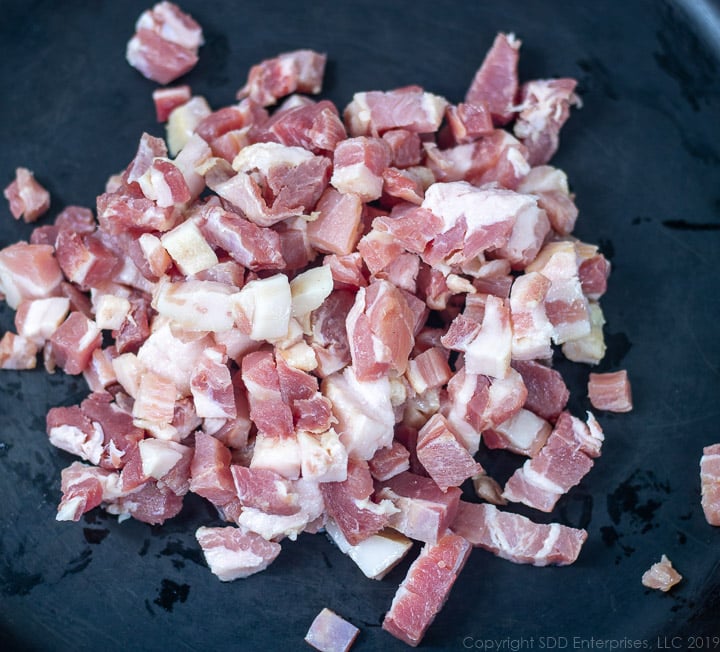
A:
[312,318]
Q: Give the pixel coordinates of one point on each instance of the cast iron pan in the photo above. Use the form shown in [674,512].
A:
[643,157]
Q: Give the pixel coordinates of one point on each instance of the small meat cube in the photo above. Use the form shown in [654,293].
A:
[710,483]
[661,575]
[17,352]
[27,198]
[165,44]
[610,391]
[167,99]
[74,341]
[233,553]
[426,588]
[331,633]
[444,457]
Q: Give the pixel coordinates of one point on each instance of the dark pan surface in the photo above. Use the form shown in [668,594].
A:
[643,157]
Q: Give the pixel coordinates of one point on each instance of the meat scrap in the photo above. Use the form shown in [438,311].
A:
[661,575]
[610,391]
[710,483]
[331,633]
[165,44]
[517,538]
[27,198]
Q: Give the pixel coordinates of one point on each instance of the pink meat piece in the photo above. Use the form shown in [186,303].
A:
[517,538]
[547,393]
[149,148]
[429,369]
[408,436]
[74,342]
[389,461]
[496,81]
[337,227]
[486,343]
[474,220]
[444,457]
[70,430]
[99,374]
[373,113]
[378,250]
[331,633]
[358,165]
[155,401]
[347,271]
[151,503]
[119,436]
[560,209]
[126,208]
[469,121]
[524,433]
[425,510]
[268,409]
[406,147]
[265,490]
[165,44]
[593,273]
[412,229]
[164,183]
[560,465]
[311,411]
[299,71]
[17,352]
[610,391]
[329,338]
[27,198]
[168,99]
[344,503]
[85,487]
[254,247]
[211,386]
[661,575]
[380,331]
[476,402]
[497,157]
[84,259]
[210,475]
[135,328]
[426,588]
[402,184]
[289,190]
[531,328]
[544,108]
[710,483]
[402,273]
[28,271]
[233,553]
[316,127]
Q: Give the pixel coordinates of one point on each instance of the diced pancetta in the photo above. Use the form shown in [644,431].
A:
[336,227]
[424,511]
[234,552]
[299,71]
[74,341]
[210,475]
[28,271]
[524,433]
[165,44]
[496,81]
[543,109]
[167,99]
[358,166]
[27,198]
[389,461]
[710,483]
[331,633]
[517,538]
[661,575]
[610,391]
[444,457]
[531,328]
[425,588]
[560,465]
[373,113]
[547,393]
[85,487]
[349,504]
